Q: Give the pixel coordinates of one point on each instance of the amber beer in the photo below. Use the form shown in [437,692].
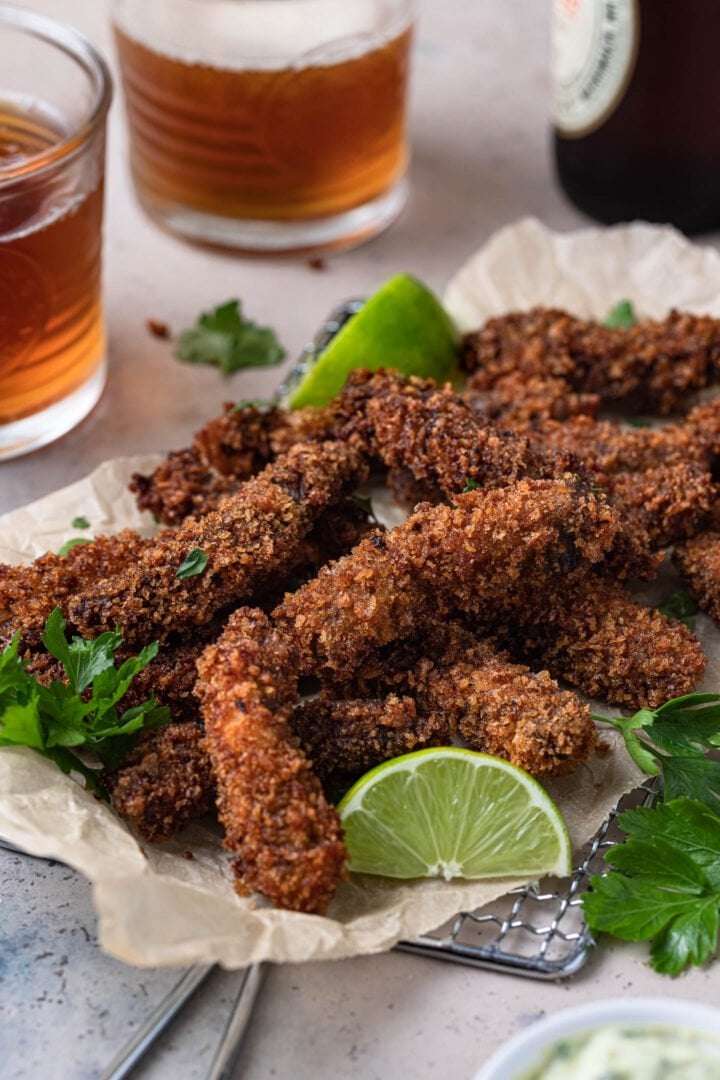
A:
[257,137]
[51,331]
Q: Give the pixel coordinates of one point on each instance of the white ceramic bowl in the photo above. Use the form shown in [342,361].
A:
[526,1050]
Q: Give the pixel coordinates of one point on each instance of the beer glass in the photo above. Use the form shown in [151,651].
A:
[267,125]
[54,95]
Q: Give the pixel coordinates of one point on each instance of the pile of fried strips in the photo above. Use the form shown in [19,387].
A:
[529,515]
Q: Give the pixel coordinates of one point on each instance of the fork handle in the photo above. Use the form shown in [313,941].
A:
[156,1023]
[227,1052]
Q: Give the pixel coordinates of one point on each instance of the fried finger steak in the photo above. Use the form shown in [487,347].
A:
[596,637]
[253,538]
[489,554]
[164,783]
[468,687]
[346,737]
[411,423]
[657,363]
[28,593]
[286,838]
[228,450]
[698,562]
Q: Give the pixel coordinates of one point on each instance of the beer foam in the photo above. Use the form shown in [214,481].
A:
[262,35]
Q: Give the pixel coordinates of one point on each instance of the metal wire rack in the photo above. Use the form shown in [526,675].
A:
[538,930]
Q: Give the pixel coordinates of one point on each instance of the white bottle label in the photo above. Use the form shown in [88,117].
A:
[593,50]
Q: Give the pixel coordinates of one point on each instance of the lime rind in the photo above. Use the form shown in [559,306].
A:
[451,812]
[402,326]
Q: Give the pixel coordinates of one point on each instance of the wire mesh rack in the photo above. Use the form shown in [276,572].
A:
[538,930]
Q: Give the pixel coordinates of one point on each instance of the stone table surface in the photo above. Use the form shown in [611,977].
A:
[480,159]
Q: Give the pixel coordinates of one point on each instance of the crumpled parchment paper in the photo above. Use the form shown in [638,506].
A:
[155,905]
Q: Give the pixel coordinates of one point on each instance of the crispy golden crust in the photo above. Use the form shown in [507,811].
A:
[414,424]
[654,364]
[519,399]
[28,593]
[597,638]
[666,504]
[486,554]
[164,782]
[253,538]
[287,838]
[466,687]
[606,447]
[344,738]
[228,450]
[698,561]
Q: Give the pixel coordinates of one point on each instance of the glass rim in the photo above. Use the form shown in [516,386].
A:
[404,17]
[83,52]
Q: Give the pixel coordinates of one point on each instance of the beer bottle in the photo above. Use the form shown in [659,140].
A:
[636,109]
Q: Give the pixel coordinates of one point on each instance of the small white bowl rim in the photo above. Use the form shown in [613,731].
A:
[524,1049]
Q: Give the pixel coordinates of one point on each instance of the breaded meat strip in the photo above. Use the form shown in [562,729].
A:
[415,424]
[654,364]
[254,537]
[228,450]
[665,504]
[596,637]
[416,427]
[344,738]
[698,561]
[465,686]
[29,592]
[164,783]
[286,837]
[490,553]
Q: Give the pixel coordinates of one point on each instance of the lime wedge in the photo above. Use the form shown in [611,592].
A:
[453,813]
[402,326]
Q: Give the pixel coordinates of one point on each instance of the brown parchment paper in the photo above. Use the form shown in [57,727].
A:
[155,906]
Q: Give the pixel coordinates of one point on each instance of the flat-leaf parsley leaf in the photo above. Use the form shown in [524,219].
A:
[57,719]
[192,564]
[225,338]
[622,316]
[76,541]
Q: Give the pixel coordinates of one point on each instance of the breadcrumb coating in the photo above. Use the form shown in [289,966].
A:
[29,592]
[164,782]
[286,837]
[228,450]
[251,540]
[654,364]
[411,423]
[485,554]
[666,504]
[470,688]
[345,738]
[595,636]
[698,563]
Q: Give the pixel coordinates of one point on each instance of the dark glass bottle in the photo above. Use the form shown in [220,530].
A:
[637,109]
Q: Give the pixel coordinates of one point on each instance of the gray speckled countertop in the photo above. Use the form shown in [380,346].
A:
[480,159]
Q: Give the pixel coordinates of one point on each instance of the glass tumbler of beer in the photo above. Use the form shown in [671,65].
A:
[55,91]
[267,125]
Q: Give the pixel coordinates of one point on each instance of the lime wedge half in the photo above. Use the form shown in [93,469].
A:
[453,813]
[402,326]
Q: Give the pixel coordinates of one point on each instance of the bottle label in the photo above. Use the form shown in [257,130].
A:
[593,51]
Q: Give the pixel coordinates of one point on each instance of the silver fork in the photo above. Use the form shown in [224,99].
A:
[138,1045]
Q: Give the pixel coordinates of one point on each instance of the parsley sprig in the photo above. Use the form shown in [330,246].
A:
[225,338]
[673,741]
[622,316]
[665,883]
[59,719]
